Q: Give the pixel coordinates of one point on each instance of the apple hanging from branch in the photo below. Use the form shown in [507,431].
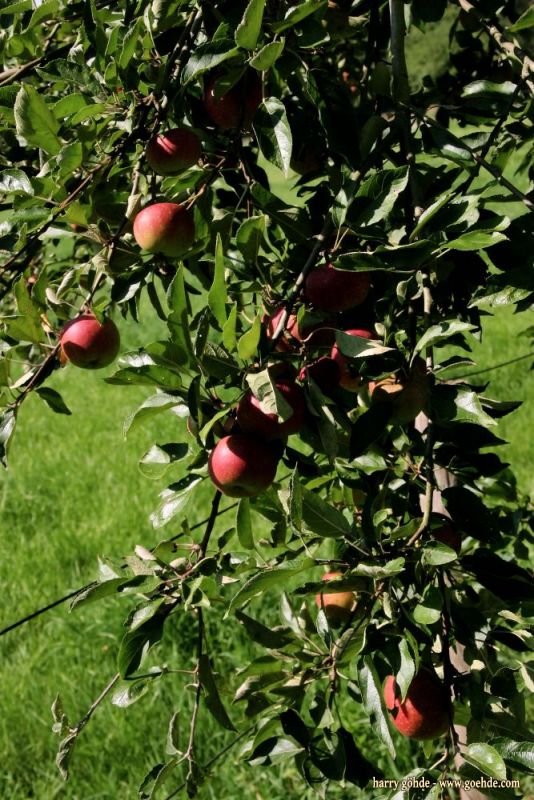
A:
[88,343]
[423,714]
[174,151]
[242,466]
[331,289]
[165,228]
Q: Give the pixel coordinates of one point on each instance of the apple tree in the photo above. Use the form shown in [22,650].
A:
[322,234]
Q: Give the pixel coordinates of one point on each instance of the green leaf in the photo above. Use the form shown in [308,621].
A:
[248,30]
[174,500]
[458,404]
[136,644]
[373,701]
[429,610]
[129,693]
[217,295]
[274,136]
[211,694]
[273,638]
[44,10]
[486,759]
[378,194]
[375,571]
[156,461]
[70,159]
[518,753]
[435,555]
[406,671]
[250,236]
[267,56]
[228,332]
[95,591]
[322,518]
[8,421]
[35,121]
[15,181]
[295,500]
[297,13]
[53,399]
[178,319]
[476,240]
[154,405]
[441,332]
[263,580]
[17,8]
[248,343]
[244,524]
[208,56]
[359,346]
[526,20]
[130,42]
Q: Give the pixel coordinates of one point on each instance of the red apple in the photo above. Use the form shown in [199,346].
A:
[251,418]
[235,108]
[337,605]
[331,289]
[449,535]
[424,712]
[407,396]
[349,378]
[89,344]
[242,466]
[324,372]
[165,228]
[171,152]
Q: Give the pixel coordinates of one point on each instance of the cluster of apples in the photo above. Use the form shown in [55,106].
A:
[164,228]
[244,463]
[169,228]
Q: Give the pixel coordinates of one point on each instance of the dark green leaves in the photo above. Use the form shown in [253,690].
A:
[248,30]
[217,294]
[486,759]
[136,644]
[35,121]
[274,134]
[373,701]
[211,694]
[208,56]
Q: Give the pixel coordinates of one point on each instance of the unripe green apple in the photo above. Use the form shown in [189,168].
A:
[242,466]
[171,152]
[331,289]
[349,378]
[251,418]
[88,343]
[424,712]
[165,228]
[235,108]
[337,605]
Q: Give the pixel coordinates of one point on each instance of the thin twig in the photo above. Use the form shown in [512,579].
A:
[215,758]
[475,156]
[87,716]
